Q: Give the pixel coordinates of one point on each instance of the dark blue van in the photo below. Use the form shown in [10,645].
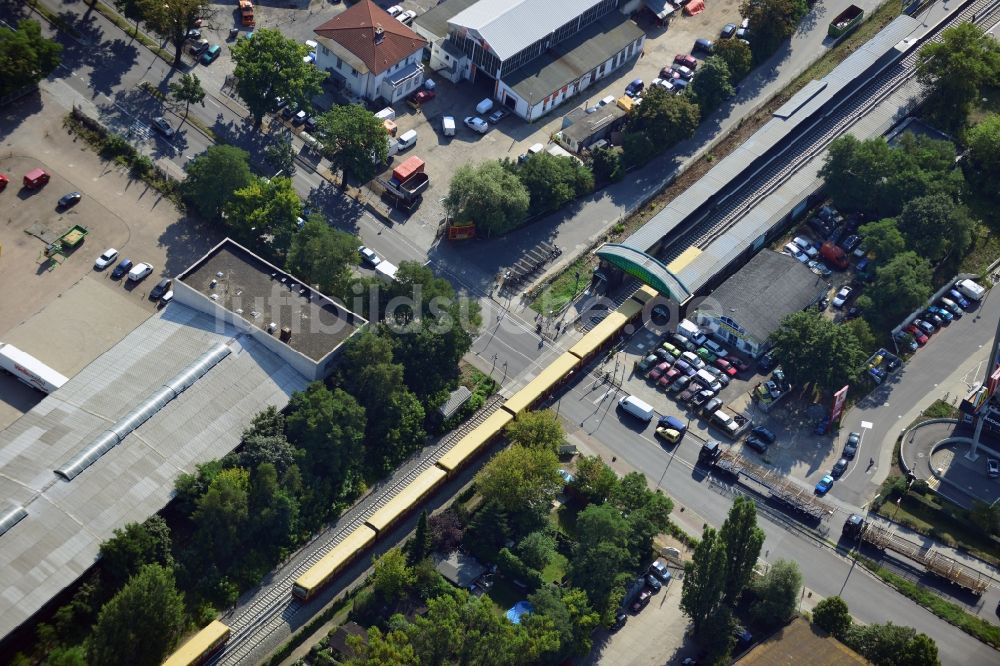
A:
[673,422]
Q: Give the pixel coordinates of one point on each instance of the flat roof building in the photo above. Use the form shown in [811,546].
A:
[299,324]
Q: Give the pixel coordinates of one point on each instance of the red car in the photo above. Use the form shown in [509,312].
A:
[658,371]
[422,96]
[687,60]
[726,367]
[3,181]
[668,378]
[917,334]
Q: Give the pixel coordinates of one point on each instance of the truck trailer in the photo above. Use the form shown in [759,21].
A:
[29,369]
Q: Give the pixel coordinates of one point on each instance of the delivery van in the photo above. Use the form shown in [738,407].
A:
[637,408]
[484,106]
[690,330]
[970,289]
[448,125]
[407,139]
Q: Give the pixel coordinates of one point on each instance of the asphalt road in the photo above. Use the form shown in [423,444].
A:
[589,411]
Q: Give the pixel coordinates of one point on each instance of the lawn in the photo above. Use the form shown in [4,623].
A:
[554,296]
[555,569]
[564,520]
[505,594]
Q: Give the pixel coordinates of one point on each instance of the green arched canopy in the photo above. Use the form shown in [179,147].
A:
[649,270]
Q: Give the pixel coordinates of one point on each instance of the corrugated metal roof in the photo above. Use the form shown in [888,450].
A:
[508,26]
[67,520]
[808,101]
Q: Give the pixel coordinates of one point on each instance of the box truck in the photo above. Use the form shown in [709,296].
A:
[29,369]
[637,408]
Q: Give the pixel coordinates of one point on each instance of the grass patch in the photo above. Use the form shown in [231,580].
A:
[555,570]
[505,594]
[564,520]
[554,296]
[114,148]
[939,409]
[933,516]
[947,611]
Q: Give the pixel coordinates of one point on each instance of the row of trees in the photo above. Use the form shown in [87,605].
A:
[882,644]
[771,22]
[27,56]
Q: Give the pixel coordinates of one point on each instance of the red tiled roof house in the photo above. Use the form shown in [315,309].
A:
[372,54]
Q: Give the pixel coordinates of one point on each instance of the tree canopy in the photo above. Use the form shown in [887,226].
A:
[777,594]
[489,196]
[883,239]
[537,429]
[27,57]
[553,181]
[141,623]
[265,213]
[704,580]
[712,84]
[815,350]
[330,426]
[831,615]
[935,226]
[520,477]
[955,68]
[213,177]
[893,645]
[742,541]
[661,121]
[900,286]
[594,480]
[354,140]
[134,546]
[171,20]
[601,559]
[322,255]
[737,57]
[187,91]
[771,23]
[983,158]
[270,66]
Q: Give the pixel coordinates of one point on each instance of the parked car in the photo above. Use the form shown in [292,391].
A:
[850,243]
[658,371]
[795,251]
[211,55]
[668,434]
[907,340]
[992,468]
[919,336]
[476,124]
[687,60]
[67,200]
[162,287]
[161,125]
[648,362]
[766,363]
[668,378]
[741,364]
[685,72]
[422,96]
[851,448]
[497,116]
[671,348]
[705,355]
[764,433]
[841,298]
[959,298]
[703,45]
[680,384]
[123,267]
[664,355]
[642,600]
[106,259]
[953,307]
[942,313]
[809,248]
[394,11]
[199,46]
[824,485]
[660,570]
[924,326]
[822,426]
[634,88]
[406,18]
[711,406]
[933,318]
[728,31]
[369,256]
[756,443]
[139,272]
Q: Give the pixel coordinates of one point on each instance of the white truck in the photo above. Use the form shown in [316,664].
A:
[29,369]
[971,289]
[386,271]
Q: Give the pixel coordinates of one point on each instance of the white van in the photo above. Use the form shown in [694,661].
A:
[448,125]
[971,289]
[715,348]
[705,378]
[407,139]
[691,331]
[484,107]
[388,113]
[637,408]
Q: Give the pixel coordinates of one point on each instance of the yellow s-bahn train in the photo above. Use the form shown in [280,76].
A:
[200,647]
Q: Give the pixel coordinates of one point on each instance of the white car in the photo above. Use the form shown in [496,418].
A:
[610,99]
[394,11]
[406,18]
[476,124]
[106,259]
[807,247]
[793,249]
[662,83]
[139,272]
[368,256]
[841,297]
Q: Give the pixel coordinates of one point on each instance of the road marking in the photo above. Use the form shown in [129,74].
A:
[866,424]
[604,395]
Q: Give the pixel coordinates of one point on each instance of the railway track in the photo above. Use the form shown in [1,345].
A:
[813,140]
[255,622]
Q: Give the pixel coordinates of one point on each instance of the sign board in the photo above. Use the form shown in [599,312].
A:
[977,398]
[839,398]
[993,380]
[461,232]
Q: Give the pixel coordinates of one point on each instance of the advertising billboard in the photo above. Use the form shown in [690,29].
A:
[839,398]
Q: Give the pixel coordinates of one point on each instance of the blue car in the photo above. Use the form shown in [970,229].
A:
[634,88]
[956,296]
[941,312]
[121,269]
[824,485]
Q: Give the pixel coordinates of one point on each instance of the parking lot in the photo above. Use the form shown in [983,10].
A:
[66,313]
[508,139]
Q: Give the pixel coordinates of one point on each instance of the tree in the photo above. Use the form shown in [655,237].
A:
[704,580]
[420,546]
[815,350]
[716,637]
[187,91]
[391,575]
[171,20]
[270,66]
[553,181]
[519,478]
[130,8]
[862,332]
[280,154]
[536,549]
[954,69]
[982,163]
[712,85]
[222,513]
[742,540]
[831,615]
[883,239]
[572,618]
[646,512]
[893,645]
[392,648]
[665,119]
[601,557]
[489,196]
[777,594]
[771,23]
[935,227]
[27,57]
[141,623]
[446,531]
[324,256]
[537,429]
[737,57]
[354,140]
[900,286]
[606,163]
[594,480]
[265,213]
[66,656]
[985,516]
[134,546]
[213,176]
[329,426]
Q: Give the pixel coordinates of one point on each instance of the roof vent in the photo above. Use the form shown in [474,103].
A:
[11,518]
[271,327]
[285,335]
[379,33]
